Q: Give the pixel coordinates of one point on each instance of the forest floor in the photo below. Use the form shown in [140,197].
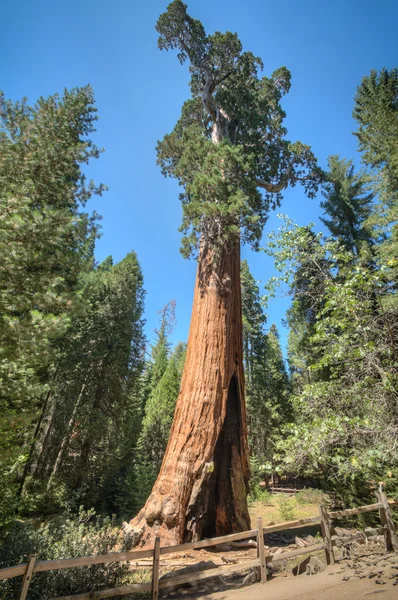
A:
[369,572]
[370,576]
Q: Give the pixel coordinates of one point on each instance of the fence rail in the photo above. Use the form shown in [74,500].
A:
[324,518]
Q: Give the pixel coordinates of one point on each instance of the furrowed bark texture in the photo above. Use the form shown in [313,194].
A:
[203,482]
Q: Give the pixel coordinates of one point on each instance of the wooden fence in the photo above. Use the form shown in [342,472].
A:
[324,518]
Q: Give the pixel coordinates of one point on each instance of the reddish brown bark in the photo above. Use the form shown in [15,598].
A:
[202,485]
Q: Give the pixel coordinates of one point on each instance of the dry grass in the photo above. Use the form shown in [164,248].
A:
[271,511]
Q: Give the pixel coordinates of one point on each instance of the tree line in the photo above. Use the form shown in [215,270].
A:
[87,403]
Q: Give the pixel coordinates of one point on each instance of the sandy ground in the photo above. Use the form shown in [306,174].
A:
[324,586]
[371,575]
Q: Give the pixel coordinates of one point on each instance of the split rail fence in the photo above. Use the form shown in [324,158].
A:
[324,518]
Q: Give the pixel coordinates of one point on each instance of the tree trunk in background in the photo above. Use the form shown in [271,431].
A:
[203,482]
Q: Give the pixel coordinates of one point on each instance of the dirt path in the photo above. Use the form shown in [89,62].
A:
[318,587]
[370,576]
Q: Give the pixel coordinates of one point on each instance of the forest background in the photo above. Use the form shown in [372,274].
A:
[90,378]
[328,47]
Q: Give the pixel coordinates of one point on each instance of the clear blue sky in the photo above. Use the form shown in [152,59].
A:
[328,45]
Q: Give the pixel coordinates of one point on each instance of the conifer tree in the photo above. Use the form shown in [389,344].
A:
[376,112]
[90,430]
[46,244]
[347,204]
[159,410]
[267,382]
[230,154]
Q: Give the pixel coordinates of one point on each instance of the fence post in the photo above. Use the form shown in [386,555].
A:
[387,522]
[155,569]
[326,534]
[261,551]
[27,577]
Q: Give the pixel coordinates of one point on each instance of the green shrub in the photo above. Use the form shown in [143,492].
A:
[311,496]
[285,508]
[65,537]
[256,491]
[266,497]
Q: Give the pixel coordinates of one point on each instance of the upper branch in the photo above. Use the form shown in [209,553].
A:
[275,188]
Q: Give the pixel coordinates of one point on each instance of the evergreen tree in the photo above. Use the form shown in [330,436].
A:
[159,410]
[91,428]
[376,112]
[267,382]
[160,351]
[310,270]
[346,411]
[347,204]
[160,387]
[46,244]
[230,154]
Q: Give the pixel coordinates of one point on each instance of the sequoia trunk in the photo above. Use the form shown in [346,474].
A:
[203,481]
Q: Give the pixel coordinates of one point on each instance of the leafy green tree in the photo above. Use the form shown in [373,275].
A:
[46,244]
[347,204]
[346,413]
[300,257]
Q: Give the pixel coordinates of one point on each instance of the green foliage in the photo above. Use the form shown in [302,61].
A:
[376,112]
[267,383]
[160,390]
[46,243]
[345,413]
[159,410]
[92,418]
[230,139]
[257,492]
[70,537]
[46,238]
[311,496]
[347,204]
[285,508]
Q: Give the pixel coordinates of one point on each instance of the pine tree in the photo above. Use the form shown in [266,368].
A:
[46,244]
[310,274]
[376,112]
[267,382]
[159,410]
[159,391]
[90,430]
[347,204]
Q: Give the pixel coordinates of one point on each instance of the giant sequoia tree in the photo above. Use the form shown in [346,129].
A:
[228,151]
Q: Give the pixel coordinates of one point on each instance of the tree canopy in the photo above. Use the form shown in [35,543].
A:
[229,149]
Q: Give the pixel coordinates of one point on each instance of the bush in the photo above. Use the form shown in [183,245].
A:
[83,535]
[311,496]
[257,491]
[285,509]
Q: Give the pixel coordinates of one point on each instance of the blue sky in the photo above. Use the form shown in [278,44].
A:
[328,45]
